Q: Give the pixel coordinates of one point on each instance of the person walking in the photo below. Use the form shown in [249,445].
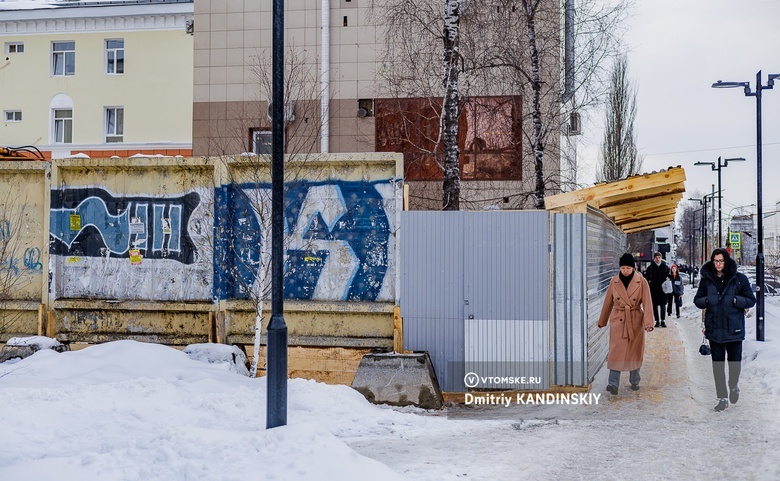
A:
[625,309]
[725,294]
[678,287]
[656,273]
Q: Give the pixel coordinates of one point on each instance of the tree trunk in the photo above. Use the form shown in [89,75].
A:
[451,106]
[537,140]
[258,330]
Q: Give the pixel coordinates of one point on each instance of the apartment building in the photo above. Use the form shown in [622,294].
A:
[338,50]
[97,78]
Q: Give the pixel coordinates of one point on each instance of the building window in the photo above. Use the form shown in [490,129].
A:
[115,124]
[115,56]
[14,47]
[63,126]
[13,115]
[261,142]
[63,58]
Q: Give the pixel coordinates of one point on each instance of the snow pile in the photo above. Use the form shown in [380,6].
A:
[230,356]
[132,411]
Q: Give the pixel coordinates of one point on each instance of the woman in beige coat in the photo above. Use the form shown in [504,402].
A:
[628,309]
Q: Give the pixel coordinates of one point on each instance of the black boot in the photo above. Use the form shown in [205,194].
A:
[657,324]
[723,403]
[663,324]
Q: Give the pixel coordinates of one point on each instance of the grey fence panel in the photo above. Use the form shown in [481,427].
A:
[605,244]
[569,294]
[432,290]
[477,281]
[507,302]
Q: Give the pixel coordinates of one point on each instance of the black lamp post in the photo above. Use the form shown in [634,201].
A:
[718,166]
[759,194]
[276,353]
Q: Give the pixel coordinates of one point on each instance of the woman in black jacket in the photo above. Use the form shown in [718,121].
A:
[725,294]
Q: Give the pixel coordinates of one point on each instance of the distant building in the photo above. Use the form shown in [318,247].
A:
[99,78]
[360,113]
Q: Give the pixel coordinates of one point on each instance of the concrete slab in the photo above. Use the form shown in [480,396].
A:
[398,380]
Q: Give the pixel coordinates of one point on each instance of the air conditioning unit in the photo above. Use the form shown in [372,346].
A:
[289,111]
[574,126]
[189,27]
[362,113]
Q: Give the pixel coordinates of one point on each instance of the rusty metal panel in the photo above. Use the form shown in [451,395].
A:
[132,229]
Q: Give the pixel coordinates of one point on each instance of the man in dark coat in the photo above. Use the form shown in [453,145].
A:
[725,294]
[656,273]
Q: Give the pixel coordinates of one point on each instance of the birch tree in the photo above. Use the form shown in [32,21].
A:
[505,48]
[451,110]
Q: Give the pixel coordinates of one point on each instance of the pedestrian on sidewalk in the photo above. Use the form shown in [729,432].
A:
[626,309]
[656,273]
[725,294]
[677,291]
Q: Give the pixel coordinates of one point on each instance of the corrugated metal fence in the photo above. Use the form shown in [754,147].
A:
[507,295]
[474,295]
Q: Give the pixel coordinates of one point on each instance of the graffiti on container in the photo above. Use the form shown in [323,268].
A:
[337,239]
[91,222]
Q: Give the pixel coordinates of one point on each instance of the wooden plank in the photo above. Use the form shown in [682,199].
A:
[641,204]
[647,224]
[219,320]
[398,331]
[644,195]
[51,324]
[634,217]
[631,187]
[41,320]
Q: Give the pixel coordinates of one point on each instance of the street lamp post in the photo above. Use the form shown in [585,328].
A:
[760,87]
[718,166]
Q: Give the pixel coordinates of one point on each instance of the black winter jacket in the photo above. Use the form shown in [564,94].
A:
[656,275]
[724,320]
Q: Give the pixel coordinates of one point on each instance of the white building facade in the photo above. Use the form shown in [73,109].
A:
[101,79]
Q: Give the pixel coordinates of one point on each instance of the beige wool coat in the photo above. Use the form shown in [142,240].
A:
[629,311]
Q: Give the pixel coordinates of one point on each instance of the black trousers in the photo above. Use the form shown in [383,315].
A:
[659,303]
[672,299]
[719,353]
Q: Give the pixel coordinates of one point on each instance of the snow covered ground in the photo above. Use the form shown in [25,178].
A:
[127,411]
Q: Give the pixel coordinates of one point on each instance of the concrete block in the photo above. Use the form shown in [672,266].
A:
[398,380]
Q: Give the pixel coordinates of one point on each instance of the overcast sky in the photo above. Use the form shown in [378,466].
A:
[678,49]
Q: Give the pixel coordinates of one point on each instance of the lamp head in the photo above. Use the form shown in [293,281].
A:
[711,164]
[720,84]
[734,159]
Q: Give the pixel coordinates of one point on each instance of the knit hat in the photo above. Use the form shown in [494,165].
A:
[627,260]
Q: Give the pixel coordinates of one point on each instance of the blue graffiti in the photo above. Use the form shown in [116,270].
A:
[9,265]
[92,222]
[337,236]
[32,259]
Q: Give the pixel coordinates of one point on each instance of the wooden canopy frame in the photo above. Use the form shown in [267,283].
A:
[637,203]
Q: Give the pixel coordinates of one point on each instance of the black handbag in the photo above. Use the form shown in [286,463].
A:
[704,349]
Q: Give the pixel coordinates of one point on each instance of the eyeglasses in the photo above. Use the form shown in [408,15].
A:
[718,261]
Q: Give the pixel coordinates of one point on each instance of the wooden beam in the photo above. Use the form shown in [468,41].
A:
[642,204]
[636,186]
[648,224]
[646,194]
[632,217]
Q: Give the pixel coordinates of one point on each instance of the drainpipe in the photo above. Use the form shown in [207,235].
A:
[568,51]
[325,79]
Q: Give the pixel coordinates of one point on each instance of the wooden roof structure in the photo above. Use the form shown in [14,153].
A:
[637,203]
